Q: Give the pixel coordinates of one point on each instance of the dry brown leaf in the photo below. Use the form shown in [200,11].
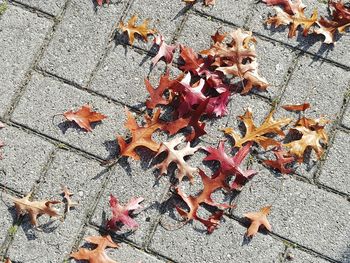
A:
[258,219]
[35,208]
[177,156]
[97,255]
[132,29]
[258,134]
[296,107]
[66,195]
[313,134]
[141,135]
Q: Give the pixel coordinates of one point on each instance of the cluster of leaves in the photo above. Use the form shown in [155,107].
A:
[293,15]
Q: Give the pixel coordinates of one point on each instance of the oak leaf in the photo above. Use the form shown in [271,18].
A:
[165,51]
[231,165]
[297,107]
[84,117]
[157,96]
[177,156]
[282,159]
[97,255]
[238,59]
[258,219]
[206,2]
[122,213]
[132,29]
[100,2]
[210,185]
[258,134]
[192,62]
[313,134]
[141,135]
[339,22]
[35,208]
[66,195]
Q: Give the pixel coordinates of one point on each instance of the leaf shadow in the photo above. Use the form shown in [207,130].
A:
[112,148]
[65,125]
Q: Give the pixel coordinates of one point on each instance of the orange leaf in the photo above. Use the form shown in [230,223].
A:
[35,208]
[258,134]
[66,195]
[282,159]
[132,29]
[141,136]
[296,107]
[97,255]
[258,219]
[84,117]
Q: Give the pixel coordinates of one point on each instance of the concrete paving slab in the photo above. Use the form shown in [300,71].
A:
[134,179]
[124,253]
[225,244]
[43,99]
[52,7]
[346,118]
[298,256]
[24,157]
[80,40]
[129,88]
[28,31]
[299,210]
[335,170]
[83,177]
[8,216]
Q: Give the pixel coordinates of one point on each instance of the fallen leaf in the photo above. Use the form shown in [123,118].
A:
[177,156]
[296,107]
[192,62]
[97,255]
[8,261]
[258,219]
[313,134]
[258,134]
[100,2]
[231,165]
[165,51]
[66,195]
[35,208]
[84,117]
[141,135]
[122,213]
[282,159]
[206,2]
[132,29]
[210,185]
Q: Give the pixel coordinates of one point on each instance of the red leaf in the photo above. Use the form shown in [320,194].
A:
[230,165]
[192,62]
[122,213]
[282,159]
[165,51]
[297,107]
[84,117]
[100,2]
[218,105]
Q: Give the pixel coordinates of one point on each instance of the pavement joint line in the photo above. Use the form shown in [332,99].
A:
[186,12]
[90,210]
[85,89]
[31,9]
[109,45]
[37,58]
[272,40]
[286,240]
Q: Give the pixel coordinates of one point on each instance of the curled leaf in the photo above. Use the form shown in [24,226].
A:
[296,107]
[258,219]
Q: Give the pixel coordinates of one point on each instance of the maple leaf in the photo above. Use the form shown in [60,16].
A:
[157,95]
[238,59]
[282,159]
[258,219]
[339,22]
[191,121]
[313,134]
[258,134]
[122,213]
[141,136]
[165,51]
[66,195]
[97,255]
[100,2]
[204,197]
[84,117]
[297,107]
[231,165]
[177,156]
[132,29]
[35,208]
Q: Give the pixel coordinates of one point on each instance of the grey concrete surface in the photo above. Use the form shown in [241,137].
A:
[56,56]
